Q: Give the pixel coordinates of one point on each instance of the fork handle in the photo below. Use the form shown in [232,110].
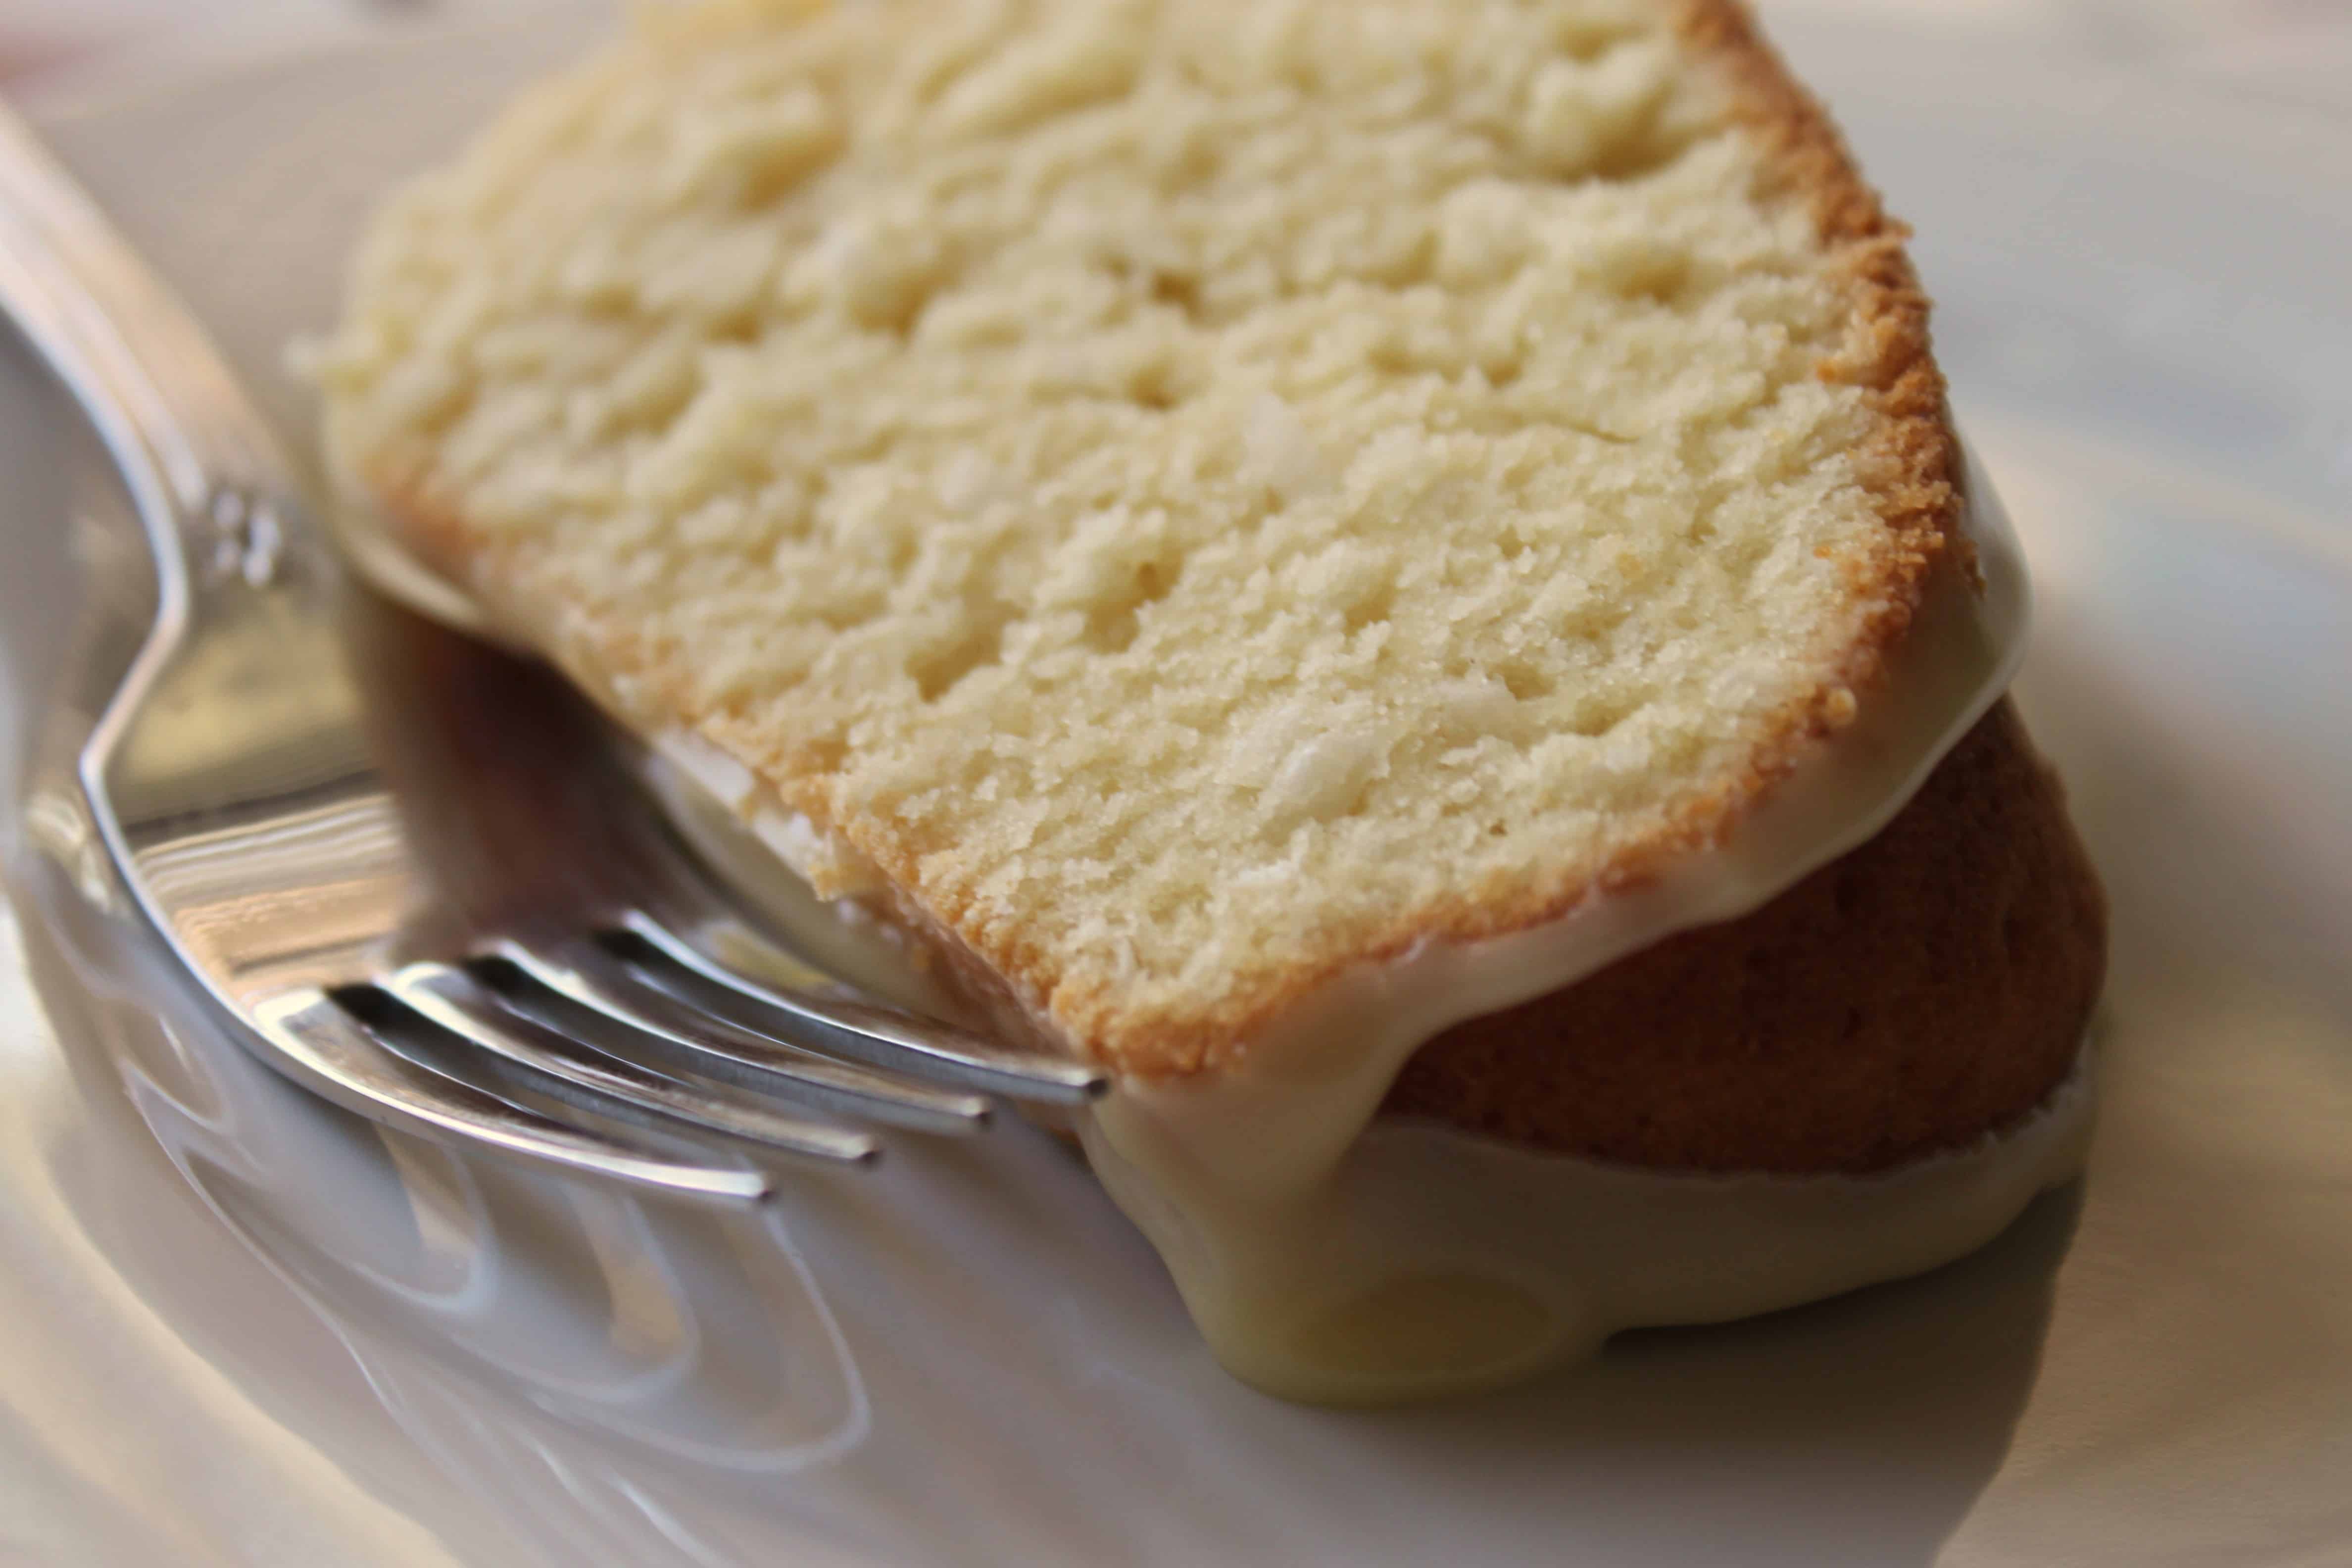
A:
[210,483]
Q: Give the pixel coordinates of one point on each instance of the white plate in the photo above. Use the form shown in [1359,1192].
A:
[236,1327]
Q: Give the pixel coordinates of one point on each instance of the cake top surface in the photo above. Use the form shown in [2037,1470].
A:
[1182,498]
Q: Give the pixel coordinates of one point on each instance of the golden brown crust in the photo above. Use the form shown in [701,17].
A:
[1911,464]
[1922,990]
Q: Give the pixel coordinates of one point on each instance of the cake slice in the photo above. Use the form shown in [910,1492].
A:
[1313,552]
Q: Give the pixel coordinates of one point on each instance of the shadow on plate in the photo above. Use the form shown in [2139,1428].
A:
[629,1384]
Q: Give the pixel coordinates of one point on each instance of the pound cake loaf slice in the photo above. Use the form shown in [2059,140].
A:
[1200,509]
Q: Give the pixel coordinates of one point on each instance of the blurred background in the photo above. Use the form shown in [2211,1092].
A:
[2293,52]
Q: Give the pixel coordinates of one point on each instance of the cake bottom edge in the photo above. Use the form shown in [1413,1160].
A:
[1435,1263]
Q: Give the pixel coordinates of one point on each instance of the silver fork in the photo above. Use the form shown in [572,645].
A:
[590,1010]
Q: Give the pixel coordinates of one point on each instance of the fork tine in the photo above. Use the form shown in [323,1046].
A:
[592,981]
[551,1064]
[878,1037]
[328,1052]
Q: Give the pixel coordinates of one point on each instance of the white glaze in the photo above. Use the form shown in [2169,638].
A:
[1329,1258]
[1427,1261]
[1254,1183]
[1422,1261]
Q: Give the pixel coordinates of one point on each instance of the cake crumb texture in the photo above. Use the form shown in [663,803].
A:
[1196,494]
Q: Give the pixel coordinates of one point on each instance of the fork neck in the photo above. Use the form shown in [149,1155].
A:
[209,480]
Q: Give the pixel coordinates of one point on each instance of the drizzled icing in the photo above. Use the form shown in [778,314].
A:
[1330,1256]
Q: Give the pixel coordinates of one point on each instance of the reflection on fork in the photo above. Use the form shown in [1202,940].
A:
[573,1008]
